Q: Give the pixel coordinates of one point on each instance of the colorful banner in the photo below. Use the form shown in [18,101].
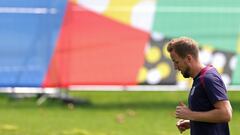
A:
[29,33]
[112,42]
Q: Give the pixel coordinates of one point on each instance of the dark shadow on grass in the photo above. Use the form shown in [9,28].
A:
[149,105]
[114,105]
[131,105]
[50,103]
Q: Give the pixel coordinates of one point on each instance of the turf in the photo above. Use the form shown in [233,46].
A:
[110,113]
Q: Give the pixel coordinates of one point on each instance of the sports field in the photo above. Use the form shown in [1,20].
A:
[111,113]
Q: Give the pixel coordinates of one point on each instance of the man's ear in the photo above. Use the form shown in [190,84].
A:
[189,57]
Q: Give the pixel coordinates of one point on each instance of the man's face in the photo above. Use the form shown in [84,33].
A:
[180,64]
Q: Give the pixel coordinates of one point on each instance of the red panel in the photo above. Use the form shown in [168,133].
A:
[93,49]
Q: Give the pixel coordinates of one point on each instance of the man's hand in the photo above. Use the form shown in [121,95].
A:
[183,125]
[182,111]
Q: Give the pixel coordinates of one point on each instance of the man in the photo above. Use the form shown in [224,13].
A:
[209,109]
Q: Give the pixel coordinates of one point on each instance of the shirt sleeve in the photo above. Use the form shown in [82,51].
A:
[215,88]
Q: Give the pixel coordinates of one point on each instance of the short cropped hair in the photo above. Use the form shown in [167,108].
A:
[183,46]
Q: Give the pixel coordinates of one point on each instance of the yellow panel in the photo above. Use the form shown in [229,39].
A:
[142,75]
[121,10]
[74,1]
[164,69]
[238,44]
[153,55]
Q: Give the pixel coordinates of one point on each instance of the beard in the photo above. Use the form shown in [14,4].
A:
[186,73]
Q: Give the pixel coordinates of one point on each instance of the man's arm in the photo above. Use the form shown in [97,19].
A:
[221,113]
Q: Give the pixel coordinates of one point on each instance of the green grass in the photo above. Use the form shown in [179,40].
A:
[111,113]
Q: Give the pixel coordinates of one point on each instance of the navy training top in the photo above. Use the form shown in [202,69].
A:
[207,89]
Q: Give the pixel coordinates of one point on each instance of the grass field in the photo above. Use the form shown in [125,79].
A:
[111,113]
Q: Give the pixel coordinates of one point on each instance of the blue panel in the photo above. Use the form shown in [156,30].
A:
[28,31]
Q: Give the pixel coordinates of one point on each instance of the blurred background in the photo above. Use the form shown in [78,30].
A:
[100,67]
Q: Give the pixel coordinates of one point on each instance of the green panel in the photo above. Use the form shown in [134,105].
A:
[210,22]
[236,75]
[215,23]
[219,3]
